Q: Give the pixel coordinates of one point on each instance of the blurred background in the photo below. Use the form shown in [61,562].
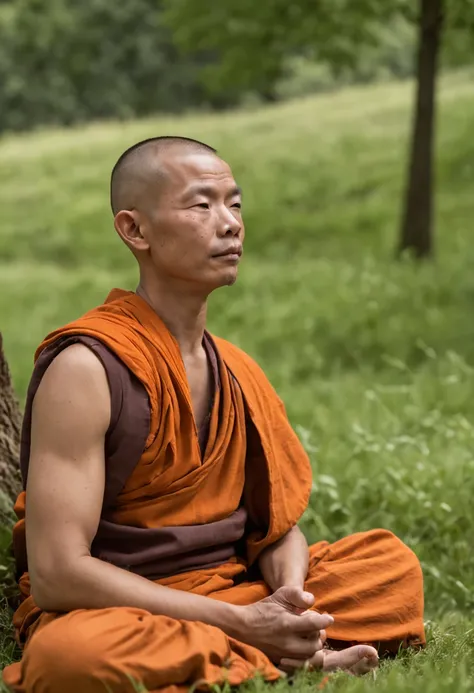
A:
[350,128]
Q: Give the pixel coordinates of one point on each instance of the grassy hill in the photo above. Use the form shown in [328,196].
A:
[374,358]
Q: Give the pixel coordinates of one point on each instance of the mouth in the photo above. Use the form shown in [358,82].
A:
[232,254]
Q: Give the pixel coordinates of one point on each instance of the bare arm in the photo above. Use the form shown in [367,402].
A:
[285,563]
[71,414]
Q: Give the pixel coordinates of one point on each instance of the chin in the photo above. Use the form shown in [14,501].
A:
[224,279]
[231,278]
[220,280]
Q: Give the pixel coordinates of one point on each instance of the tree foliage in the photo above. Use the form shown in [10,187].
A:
[253,40]
[65,61]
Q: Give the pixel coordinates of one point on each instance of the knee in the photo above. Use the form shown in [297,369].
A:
[61,658]
[395,551]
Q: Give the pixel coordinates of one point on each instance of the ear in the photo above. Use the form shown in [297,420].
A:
[127,224]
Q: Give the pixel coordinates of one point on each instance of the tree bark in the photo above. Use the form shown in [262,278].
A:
[416,230]
[10,427]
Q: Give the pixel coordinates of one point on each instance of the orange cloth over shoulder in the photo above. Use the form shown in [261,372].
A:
[130,328]
[172,485]
[371,582]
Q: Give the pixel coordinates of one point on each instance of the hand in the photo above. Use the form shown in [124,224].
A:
[282,627]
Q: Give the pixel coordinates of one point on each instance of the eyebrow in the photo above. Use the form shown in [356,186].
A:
[203,189]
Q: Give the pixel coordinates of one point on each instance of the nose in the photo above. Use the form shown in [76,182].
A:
[229,225]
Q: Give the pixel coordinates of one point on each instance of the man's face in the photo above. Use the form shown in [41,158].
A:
[194,224]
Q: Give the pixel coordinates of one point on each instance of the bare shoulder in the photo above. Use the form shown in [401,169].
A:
[66,469]
[74,390]
[76,360]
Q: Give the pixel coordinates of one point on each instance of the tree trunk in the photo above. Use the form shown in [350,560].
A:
[416,231]
[10,426]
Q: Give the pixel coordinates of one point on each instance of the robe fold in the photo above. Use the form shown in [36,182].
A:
[244,491]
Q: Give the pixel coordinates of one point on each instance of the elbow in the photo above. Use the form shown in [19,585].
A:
[59,586]
[46,592]
[43,601]
[50,589]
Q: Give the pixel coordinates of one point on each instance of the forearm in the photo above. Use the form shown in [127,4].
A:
[285,563]
[90,583]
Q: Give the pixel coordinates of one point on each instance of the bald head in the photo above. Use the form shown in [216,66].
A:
[141,166]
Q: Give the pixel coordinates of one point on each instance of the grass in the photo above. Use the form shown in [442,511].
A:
[374,358]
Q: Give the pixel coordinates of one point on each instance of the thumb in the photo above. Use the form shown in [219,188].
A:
[295,598]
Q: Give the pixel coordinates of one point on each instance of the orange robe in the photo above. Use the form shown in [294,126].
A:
[370,582]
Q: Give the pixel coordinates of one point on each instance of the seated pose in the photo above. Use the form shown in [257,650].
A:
[157,539]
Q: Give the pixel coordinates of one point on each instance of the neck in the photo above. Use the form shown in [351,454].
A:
[183,312]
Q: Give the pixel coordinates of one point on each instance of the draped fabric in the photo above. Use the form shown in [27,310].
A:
[253,462]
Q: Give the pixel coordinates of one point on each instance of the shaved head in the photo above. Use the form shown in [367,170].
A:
[140,167]
[177,207]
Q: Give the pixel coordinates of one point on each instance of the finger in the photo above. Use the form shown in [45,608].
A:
[311,621]
[302,648]
[295,597]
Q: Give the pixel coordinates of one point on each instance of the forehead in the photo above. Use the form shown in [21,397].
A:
[183,171]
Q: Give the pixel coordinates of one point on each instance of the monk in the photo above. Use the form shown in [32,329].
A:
[157,541]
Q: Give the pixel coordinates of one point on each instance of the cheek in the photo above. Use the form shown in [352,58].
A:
[181,241]
[194,235]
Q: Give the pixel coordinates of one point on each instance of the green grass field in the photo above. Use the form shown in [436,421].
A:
[374,358]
